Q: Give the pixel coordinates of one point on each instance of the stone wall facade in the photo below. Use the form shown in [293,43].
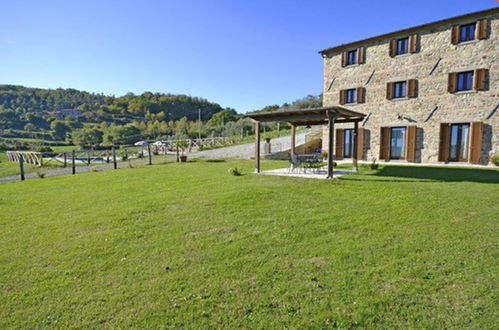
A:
[434,48]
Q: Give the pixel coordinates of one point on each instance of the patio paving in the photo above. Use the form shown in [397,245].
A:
[299,173]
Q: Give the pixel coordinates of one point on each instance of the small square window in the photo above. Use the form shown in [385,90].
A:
[351,96]
[465,81]
[467,32]
[352,57]
[399,89]
[402,46]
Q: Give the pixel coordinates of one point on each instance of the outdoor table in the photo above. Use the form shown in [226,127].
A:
[312,161]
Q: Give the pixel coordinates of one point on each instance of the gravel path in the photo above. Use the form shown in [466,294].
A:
[282,143]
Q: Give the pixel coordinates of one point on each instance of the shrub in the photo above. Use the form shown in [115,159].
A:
[47,151]
[234,171]
[495,160]
[374,165]
[40,174]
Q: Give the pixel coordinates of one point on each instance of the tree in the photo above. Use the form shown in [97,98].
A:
[123,134]
[59,129]
[29,127]
[87,137]
[223,117]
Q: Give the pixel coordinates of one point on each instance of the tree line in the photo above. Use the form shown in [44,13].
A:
[110,120]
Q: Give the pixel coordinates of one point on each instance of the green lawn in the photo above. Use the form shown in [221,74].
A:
[188,245]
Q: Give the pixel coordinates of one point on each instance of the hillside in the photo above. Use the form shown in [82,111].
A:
[99,107]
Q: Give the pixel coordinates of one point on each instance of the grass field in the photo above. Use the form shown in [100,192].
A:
[188,245]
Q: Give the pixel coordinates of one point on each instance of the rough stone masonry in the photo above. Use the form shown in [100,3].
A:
[430,65]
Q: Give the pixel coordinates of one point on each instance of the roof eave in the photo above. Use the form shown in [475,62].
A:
[410,29]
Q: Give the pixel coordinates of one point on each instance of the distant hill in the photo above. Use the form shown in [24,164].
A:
[99,107]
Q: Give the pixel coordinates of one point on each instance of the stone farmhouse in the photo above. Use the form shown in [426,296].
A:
[430,92]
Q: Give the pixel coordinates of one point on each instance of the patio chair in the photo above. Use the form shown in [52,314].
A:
[294,163]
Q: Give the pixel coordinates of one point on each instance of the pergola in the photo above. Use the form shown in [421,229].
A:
[306,117]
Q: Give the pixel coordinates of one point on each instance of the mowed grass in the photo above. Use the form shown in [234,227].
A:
[188,245]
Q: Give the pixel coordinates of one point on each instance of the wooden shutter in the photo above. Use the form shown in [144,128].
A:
[393,47]
[389,91]
[361,94]
[412,85]
[413,43]
[455,35]
[444,143]
[476,142]
[384,150]
[482,29]
[452,85]
[480,79]
[344,59]
[361,56]
[342,96]
[360,143]
[411,143]
[339,143]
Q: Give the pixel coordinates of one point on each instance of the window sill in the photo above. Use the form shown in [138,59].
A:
[402,55]
[471,91]
[350,104]
[467,42]
[405,98]
[351,66]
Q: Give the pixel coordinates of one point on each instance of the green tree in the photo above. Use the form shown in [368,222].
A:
[123,134]
[59,129]
[87,137]
[223,117]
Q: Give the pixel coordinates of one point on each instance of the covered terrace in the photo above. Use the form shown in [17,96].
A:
[309,117]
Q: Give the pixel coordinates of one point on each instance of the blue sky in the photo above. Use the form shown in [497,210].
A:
[241,54]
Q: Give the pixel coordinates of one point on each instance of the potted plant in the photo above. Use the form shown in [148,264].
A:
[182,144]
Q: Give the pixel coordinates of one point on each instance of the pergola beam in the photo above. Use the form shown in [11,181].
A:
[257,147]
[330,147]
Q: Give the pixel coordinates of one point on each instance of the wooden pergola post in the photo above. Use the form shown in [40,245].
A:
[257,147]
[355,144]
[330,147]
[293,138]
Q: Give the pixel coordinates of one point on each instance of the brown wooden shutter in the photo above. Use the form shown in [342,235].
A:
[361,56]
[339,143]
[393,47]
[412,85]
[482,29]
[342,96]
[480,79]
[360,143]
[476,142]
[455,35]
[452,85]
[411,143]
[361,94]
[384,150]
[389,91]
[444,143]
[344,59]
[413,43]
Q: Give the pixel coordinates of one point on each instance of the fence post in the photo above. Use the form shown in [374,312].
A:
[65,159]
[114,159]
[149,153]
[41,159]
[107,156]
[73,162]
[88,158]
[21,166]
[177,155]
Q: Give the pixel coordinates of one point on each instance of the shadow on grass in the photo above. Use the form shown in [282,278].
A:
[421,174]
[216,161]
[439,174]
